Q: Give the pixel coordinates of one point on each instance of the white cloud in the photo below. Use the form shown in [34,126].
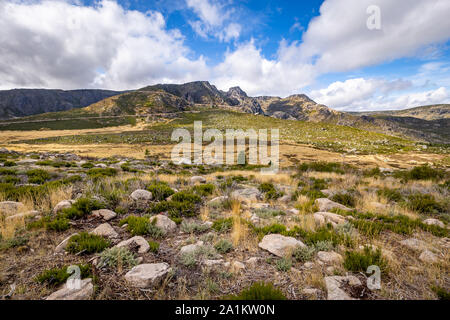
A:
[213,20]
[56,44]
[377,94]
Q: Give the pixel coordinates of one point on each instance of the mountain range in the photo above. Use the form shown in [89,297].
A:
[429,123]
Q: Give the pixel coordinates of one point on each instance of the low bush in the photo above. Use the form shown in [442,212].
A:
[321,166]
[359,261]
[269,190]
[284,264]
[258,291]
[139,226]
[160,190]
[423,172]
[223,225]
[9,163]
[204,190]
[38,176]
[345,199]
[99,173]
[304,254]
[425,203]
[191,258]
[223,246]
[59,224]
[154,246]
[81,208]
[390,194]
[265,213]
[193,227]
[85,243]
[117,257]
[57,276]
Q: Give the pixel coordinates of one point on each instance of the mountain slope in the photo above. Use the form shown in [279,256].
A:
[24,102]
[432,112]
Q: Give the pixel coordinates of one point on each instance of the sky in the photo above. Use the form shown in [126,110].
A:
[352,55]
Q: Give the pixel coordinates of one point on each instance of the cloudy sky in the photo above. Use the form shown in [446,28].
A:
[323,48]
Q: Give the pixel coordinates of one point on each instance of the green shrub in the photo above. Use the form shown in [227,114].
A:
[204,190]
[81,208]
[86,243]
[57,276]
[160,190]
[175,209]
[359,261]
[259,291]
[441,293]
[284,264]
[425,203]
[375,172]
[138,226]
[390,194]
[126,168]
[321,166]
[269,190]
[17,241]
[266,213]
[10,179]
[58,224]
[323,245]
[154,246]
[193,227]
[344,199]
[423,172]
[304,254]
[191,258]
[185,196]
[9,172]
[223,246]
[87,165]
[9,164]
[98,173]
[117,256]
[223,225]
[38,176]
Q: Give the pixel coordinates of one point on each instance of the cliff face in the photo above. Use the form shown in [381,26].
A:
[25,102]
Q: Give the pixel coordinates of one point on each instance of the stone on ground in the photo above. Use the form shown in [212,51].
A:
[434,222]
[329,257]
[105,230]
[84,292]
[105,214]
[11,207]
[141,195]
[62,246]
[147,275]
[136,241]
[414,244]
[334,287]
[279,245]
[198,179]
[65,204]
[247,195]
[428,257]
[325,205]
[165,223]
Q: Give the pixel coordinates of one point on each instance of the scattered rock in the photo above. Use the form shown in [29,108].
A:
[247,195]
[329,257]
[62,246]
[326,205]
[105,214]
[65,204]
[279,245]
[212,263]
[84,292]
[165,223]
[141,195]
[414,244]
[252,261]
[191,247]
[147,275]
[334,284]
[11,207]
[428,257]
[23,215]
[308,265]
[105,230]
[311,292]
[238,266]
[198,179]
[136,241]
[322,218]
[434,222]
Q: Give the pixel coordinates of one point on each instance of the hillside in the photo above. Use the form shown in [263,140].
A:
[432,112]
[163,99]
[25,102]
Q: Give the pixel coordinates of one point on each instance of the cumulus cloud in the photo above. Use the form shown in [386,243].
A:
[375,94]
[212,18]
[57,44]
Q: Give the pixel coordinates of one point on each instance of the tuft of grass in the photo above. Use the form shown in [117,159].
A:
[322,166]
[81,208]
[423,172]
[154,246]
[204,190]
[441,293]
[160,190]
[258,291]
[266,213]
[57,276]
[359,261]
[193,227]
[344,199]
[304,254]
[269,190]
[59,224]
[117,258]
[86,243]
[139,226]
[223,225]
[38,176]
[284,264]
[425,203]
[191,259]
[99,173]
[223,246]
[390,194]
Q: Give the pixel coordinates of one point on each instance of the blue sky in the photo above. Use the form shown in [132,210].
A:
[323,48]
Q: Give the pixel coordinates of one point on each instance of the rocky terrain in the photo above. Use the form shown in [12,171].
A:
[433,112]
[25,102]
[149,229]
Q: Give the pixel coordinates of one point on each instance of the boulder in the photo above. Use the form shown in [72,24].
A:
[105,230]
[414,244]
[334,285]
[197,179]
[434,222]
[325,205]
[147,275]
[322,218]
[141,195]
[279,245]
[191,247]
[22,215]
[428,257]
[329,257]
[105,214]
[136,241]
[63,205]
[11,207]
[238,266]
[83,292]
[164,223]
[247,195]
